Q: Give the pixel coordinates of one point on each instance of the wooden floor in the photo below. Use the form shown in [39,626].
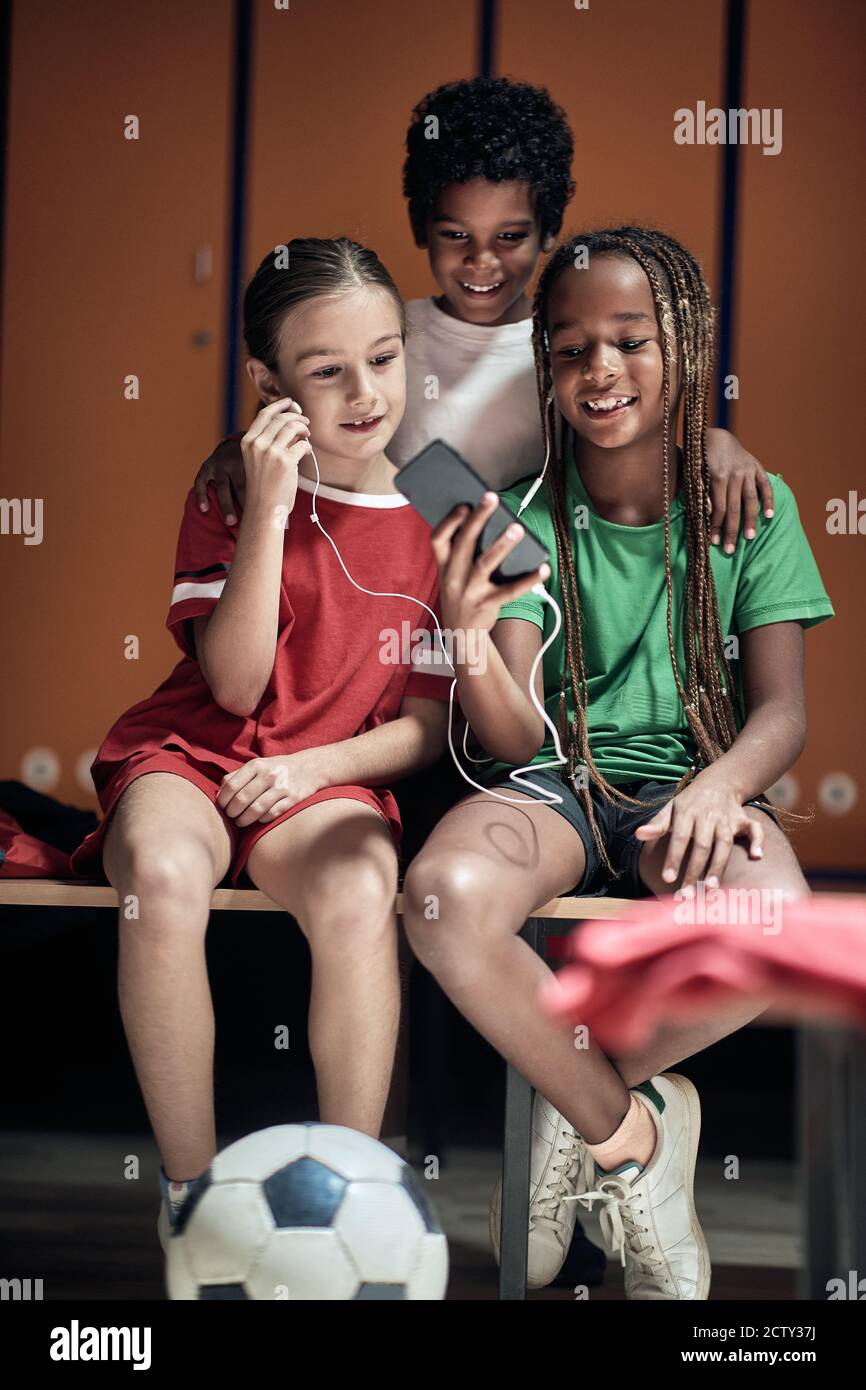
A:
[69,1217]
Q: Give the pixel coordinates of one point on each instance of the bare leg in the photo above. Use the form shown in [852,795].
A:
[333,866]
[168,846]
[779,870]
[467,894]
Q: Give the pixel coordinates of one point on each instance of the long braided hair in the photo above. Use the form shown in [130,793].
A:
[685,317]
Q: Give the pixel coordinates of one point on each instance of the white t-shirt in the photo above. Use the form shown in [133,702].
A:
[474,387]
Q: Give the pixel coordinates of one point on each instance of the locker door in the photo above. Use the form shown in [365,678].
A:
[620,70]
[333,88]
[100,286]
[798,355]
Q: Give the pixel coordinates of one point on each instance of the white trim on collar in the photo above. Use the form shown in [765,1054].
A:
[354,499]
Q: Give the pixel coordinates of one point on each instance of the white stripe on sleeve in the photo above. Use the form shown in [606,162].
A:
[185,591]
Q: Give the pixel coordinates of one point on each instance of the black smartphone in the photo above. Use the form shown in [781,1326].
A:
[437,480]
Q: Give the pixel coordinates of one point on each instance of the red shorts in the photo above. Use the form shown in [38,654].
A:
[86,862]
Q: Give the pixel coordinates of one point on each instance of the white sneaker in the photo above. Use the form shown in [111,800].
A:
[560,1168]
[649,1213]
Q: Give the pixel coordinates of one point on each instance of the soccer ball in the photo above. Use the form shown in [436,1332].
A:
[307,1211]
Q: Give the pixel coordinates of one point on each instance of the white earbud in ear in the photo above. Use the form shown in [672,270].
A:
[550,395]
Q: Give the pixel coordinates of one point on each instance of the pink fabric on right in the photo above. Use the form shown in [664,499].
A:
[651,966]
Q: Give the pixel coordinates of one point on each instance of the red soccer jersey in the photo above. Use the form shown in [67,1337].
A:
[344,660]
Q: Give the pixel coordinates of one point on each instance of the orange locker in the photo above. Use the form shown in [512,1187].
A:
[798,357]
[100,287]
[620,70]
[332,90]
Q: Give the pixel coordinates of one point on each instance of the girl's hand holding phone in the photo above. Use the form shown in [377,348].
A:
[272,447]
[470,598]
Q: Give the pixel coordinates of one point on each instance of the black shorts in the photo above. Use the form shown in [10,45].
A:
[617,823]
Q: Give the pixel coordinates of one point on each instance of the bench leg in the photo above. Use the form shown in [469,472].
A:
[515,1186]
[857,1148]
[516,1154]
[822,1142]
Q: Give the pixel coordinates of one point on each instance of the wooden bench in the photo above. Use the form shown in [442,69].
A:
[64,892]
[831,1098]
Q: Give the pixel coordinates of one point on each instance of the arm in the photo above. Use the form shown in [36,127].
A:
[265,787]
[774,734]
[409,743]
[496,702]
[494,694]
[710,810]
[236,643]
[736,481]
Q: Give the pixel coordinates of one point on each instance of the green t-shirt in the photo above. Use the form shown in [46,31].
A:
[637,726]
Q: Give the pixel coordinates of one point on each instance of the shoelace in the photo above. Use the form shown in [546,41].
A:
[619,1224]
[548,1207]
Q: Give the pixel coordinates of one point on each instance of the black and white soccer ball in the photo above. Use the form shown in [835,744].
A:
[307,1211]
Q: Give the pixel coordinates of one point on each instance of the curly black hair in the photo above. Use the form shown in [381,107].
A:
[490,128]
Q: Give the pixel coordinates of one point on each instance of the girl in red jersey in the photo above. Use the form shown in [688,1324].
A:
[270,746]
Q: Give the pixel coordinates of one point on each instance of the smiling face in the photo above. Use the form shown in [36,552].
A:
[341,357]
[606,353]
[483,242]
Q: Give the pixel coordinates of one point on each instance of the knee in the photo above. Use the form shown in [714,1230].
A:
[165,882]
[352,912]
[446,901]
[777,872]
